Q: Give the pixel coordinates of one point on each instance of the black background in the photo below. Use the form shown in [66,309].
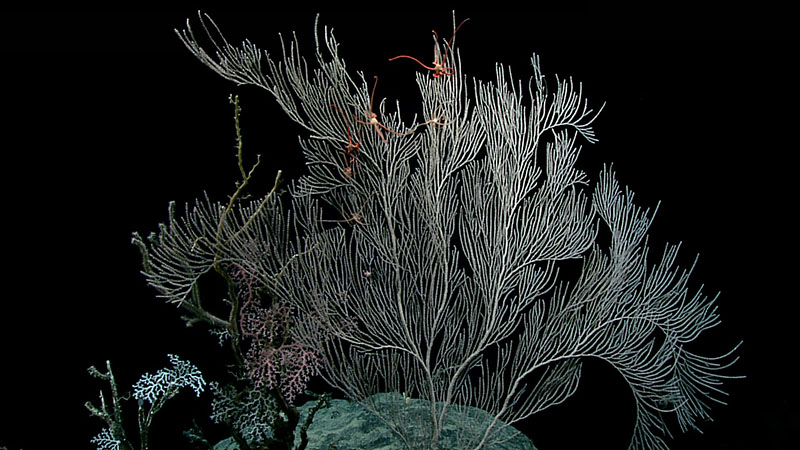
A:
[107,118]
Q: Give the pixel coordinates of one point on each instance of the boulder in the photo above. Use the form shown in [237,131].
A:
[347,425]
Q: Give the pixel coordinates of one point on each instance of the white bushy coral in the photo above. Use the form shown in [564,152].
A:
[167,382]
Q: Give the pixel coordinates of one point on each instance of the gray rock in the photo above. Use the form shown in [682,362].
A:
[348,426]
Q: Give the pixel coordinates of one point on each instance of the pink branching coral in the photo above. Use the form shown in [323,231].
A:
[272,360]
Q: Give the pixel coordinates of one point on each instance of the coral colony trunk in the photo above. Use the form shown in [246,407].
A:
[422,258]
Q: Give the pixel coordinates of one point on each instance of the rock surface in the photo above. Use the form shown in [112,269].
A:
[348,426]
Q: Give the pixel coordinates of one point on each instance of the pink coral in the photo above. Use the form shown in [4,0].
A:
[272,360]
[287,368]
